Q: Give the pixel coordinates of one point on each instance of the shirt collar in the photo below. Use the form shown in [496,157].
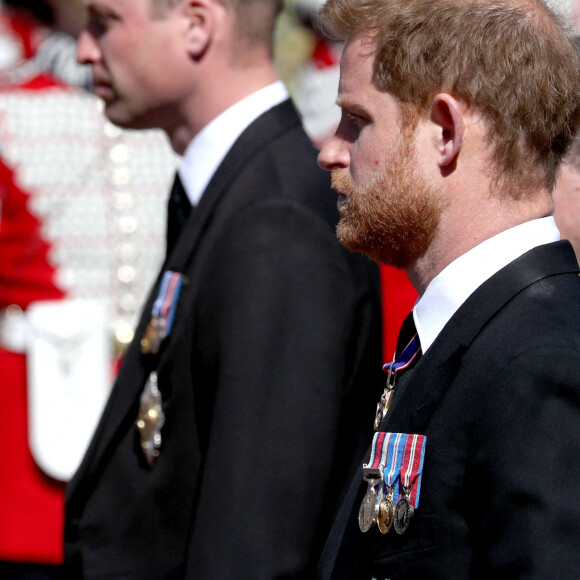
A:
[455,283]
[209,147]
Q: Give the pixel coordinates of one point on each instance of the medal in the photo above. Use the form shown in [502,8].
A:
[403,361]
[395,443]
[396,463]
[373,475]
[402,515]
[383,405]
[151,340]
[386,513]
[150,420]
[162,313]
[411,472]
[381,473]
[367,511]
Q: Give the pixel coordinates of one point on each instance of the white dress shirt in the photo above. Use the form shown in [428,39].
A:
[209,147]
[455,283]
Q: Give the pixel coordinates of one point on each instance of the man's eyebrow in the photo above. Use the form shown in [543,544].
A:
[96,7]
[351,106]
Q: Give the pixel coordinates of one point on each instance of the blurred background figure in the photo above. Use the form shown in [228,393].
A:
[76,257]
[567,191]
[38,36]
[315,83]
[567,197]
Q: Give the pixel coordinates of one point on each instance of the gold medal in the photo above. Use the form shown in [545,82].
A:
[151,339]
[386,514]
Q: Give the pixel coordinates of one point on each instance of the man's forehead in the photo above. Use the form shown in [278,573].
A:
[94,4]
[361,45]
[356,77]
[357,61]
[111,4]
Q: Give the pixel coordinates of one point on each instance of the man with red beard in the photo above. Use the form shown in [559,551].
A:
[567,197]
[455,117]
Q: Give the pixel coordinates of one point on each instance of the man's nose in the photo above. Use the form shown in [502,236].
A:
[333,154]
[87,49]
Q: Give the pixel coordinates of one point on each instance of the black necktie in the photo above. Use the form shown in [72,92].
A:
[178,209]
[406,333]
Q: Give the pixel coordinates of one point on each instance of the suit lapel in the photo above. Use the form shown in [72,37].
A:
[420,391]
[257,137]
[419,395]
[123,402]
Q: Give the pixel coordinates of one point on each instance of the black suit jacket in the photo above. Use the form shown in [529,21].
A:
[498,397]
[269,375]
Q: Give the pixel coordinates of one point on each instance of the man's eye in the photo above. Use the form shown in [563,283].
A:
[99,22]
[355,120]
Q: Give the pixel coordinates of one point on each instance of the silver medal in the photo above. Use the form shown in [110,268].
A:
[367,515]
[403,514]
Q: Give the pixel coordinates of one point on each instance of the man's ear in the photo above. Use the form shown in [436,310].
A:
[446,113]
[200,22]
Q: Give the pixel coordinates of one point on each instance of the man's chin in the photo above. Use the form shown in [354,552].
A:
[112,112]
[357,243]
[120,117]
[353,242]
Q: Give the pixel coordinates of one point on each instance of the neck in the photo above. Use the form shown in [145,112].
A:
[217,91]
[456,235]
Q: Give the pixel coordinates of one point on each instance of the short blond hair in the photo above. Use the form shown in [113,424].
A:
[255,19]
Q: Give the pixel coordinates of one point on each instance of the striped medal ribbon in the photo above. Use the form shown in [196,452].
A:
[411,472]
[389,488]
[163,312]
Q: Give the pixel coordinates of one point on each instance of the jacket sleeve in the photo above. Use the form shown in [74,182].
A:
[526,521]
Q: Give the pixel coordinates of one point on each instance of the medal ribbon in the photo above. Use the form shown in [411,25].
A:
[377,462]
[166,302]
[379,450]
[408,355]
[411,469]
[393,460]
